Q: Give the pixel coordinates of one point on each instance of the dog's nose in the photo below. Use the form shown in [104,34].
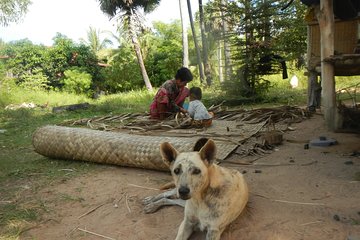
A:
[184,191]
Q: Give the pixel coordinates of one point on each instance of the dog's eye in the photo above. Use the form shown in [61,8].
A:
[177,171]
[196,171]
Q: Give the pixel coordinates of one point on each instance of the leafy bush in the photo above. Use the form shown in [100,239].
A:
[77,81]
[31,64]
[124,73]
[34,81]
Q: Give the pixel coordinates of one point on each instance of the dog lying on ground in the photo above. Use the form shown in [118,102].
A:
[215,196]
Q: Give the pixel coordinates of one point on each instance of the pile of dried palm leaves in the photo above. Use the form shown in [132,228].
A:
[141,121]
[240,126]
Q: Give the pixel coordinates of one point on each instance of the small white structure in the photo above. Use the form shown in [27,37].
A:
[294,81]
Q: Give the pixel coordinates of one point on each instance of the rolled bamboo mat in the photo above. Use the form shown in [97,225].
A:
[121,149]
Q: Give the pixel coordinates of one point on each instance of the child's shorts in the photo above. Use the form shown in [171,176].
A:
[203,123]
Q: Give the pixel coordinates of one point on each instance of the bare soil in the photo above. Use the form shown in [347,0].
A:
[298,194]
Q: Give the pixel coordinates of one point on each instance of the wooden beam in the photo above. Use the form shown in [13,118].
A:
[325,17]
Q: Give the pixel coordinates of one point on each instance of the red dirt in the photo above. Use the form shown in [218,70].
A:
[297,199]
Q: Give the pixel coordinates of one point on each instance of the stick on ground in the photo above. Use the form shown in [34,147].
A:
[149,188]
[96,234]
[91,210]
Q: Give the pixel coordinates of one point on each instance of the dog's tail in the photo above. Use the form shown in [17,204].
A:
[167,186]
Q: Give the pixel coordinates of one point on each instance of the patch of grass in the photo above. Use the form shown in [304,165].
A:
[14,229]
[346,81]
[133,101]
[14,219]
[355,222]
[13,212]
[281,91]
[67,197]
[17,95]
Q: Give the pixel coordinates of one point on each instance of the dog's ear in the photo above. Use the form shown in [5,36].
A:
[168,153]
[199,144]
[208,152]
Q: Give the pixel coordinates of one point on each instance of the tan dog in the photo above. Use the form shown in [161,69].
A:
[215,195]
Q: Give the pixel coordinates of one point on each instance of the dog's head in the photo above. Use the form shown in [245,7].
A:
[190,169]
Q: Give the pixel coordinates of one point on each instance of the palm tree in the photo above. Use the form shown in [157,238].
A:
[94,41]
[129,13]
[119,39]
[185,43]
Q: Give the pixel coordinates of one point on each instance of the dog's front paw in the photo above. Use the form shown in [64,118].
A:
[151,207]
[148,200]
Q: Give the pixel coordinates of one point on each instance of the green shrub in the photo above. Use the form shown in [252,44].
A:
[77,81]
[36,80]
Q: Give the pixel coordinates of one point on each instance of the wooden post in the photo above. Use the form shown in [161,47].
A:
[325,16]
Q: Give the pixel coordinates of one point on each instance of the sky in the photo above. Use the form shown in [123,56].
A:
[73,18]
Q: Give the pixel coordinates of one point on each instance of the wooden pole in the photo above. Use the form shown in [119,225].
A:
[325,16]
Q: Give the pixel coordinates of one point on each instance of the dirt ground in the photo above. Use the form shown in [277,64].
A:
[299,194]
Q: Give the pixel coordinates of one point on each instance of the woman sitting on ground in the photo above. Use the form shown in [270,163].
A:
[171,96]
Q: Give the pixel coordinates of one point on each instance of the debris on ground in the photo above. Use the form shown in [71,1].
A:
[71,107]
[22,105]
[323,142]
[255,131]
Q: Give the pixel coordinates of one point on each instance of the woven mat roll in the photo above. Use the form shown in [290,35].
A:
[110,147]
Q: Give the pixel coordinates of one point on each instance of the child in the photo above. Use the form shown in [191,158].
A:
[197,111]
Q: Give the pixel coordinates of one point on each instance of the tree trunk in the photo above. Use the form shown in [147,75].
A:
[201,70]
[247,82]
[185,44]
[139,55]
[204,45]
[225,30]
[219,57]
[325,16]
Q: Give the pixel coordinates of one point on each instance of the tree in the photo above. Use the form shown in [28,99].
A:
[11,11]
[39,66]
[162,48]
[165,52]
[219,12]
[185,43]
[94,40]
[204,45]
[25,58]
[129,14]
[260,31]
[65,54]
[123,74]
[225,31]
[197,48]
[213,27]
